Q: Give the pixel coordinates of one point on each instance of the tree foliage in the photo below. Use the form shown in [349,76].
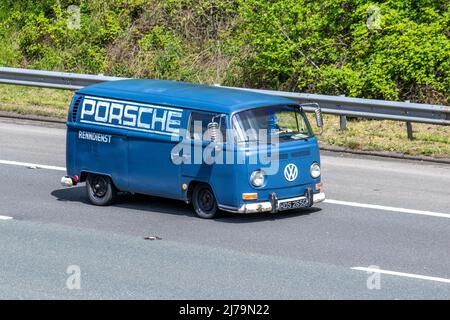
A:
[395,49]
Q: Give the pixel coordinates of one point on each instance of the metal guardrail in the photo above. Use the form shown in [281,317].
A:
[50,79]
[336,105]
[370,108]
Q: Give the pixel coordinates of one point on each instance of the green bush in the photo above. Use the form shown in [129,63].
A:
[327,47]
[395,49]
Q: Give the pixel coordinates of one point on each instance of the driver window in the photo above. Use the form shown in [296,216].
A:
[201,120]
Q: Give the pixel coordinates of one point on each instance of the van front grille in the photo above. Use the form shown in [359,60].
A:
[301,153]
[76,104]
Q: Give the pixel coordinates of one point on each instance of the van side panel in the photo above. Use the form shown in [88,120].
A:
[223,183]
[129,141]
[151,170]
[92,150]
[220,176]
[108,158]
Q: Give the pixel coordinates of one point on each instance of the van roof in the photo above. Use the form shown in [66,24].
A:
[183,94]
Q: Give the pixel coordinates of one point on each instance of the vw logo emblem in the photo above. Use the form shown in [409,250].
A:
[290,172]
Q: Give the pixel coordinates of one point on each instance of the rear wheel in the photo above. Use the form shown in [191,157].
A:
[100,190]
[204,201]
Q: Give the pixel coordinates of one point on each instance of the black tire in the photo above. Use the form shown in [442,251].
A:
[204,202]
[100,190]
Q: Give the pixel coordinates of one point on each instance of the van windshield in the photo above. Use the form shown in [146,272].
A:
[287,123]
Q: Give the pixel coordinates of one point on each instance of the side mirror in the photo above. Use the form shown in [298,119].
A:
[317,112]
[319,117]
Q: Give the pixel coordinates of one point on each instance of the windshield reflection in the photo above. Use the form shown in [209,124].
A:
[281,123]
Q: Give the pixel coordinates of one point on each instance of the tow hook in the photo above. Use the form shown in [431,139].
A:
[67,181]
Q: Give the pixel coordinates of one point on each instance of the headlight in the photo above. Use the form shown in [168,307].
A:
[315,170]
[257,178]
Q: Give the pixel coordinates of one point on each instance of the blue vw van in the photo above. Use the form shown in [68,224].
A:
[158,138]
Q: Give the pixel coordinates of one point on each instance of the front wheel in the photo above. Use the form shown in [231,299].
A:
[100,190]
[205,204]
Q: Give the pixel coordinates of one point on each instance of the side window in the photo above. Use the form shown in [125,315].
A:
[201,119]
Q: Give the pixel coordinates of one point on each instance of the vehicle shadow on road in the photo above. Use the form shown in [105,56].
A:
[152,204]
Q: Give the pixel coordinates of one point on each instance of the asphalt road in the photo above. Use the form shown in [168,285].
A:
[387,213]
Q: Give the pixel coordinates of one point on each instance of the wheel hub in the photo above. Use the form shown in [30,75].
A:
[100,187]
[206,200]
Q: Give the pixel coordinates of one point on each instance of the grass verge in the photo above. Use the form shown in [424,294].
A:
[35,101]
[385,135]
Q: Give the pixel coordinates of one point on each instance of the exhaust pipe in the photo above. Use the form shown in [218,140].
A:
[68,181]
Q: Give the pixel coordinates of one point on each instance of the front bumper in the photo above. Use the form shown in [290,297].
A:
[273,205]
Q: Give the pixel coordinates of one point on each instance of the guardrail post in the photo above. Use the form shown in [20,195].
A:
[342,120]
[342,123]
[409,130]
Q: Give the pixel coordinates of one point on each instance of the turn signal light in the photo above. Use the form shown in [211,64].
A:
[319,186]
[249,196]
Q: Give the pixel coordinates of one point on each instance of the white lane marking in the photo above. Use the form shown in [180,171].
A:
[402,274]
[5,218]
[331,201]
[386,208]
[32,165]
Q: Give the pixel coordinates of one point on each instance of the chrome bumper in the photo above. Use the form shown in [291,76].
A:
[267,206]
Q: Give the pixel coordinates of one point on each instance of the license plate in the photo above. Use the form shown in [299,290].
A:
[289,205]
